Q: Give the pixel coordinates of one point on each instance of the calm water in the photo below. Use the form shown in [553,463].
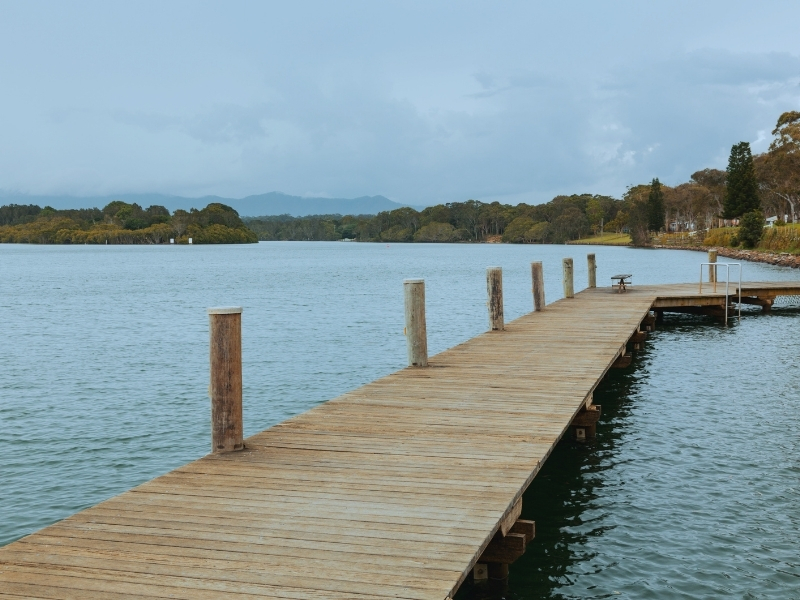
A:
[692,488]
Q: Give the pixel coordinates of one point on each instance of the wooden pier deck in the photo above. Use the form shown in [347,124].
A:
[392,490]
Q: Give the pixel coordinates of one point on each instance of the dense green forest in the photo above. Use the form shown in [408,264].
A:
[122,223]
[564,218]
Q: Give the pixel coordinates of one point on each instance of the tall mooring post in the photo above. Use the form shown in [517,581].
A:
[537,278]
[416,331]
[494,289]
[712,270]
[569,289]
[225,326]
[592,263]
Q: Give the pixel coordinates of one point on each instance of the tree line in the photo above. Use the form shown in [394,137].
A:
[122,223]
[750,187]
[769,183]
[562,219]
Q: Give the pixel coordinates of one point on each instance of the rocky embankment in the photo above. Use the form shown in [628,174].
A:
[784,259]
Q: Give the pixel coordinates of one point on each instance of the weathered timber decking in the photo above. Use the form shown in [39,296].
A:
[390,491]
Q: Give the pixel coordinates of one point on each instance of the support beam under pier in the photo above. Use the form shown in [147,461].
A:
[764,303]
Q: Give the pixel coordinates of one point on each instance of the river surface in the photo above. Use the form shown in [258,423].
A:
[691,490]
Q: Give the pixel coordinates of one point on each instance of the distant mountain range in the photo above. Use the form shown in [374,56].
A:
[273,203]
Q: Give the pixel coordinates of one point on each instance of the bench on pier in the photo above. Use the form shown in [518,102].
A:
[621,282]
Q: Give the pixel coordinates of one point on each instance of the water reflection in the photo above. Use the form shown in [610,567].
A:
[564,500]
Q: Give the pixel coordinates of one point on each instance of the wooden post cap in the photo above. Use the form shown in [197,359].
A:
[416,280]
[225,310]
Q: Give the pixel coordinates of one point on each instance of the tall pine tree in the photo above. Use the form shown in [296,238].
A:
[656,213]
[741,190]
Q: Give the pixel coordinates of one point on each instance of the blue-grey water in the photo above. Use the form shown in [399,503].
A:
[691,490]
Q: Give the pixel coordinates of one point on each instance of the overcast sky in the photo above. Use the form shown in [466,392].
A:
[421,102]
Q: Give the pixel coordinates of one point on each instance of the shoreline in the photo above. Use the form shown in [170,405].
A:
[784,259]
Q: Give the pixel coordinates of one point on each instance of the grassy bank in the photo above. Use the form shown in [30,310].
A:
[777,240]
[785,238]
[681,240]
[606,239]
[781,239]
[778,245]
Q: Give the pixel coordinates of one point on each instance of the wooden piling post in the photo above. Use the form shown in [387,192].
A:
[416,331]
[590,259]
[494,289]
[225,326]
[537,277]
[498,571]
[712,270]
[569,290]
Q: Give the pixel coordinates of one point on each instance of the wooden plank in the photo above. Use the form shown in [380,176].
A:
[279,531]
[176,586]
[342,566]
[508,520]
[344,549]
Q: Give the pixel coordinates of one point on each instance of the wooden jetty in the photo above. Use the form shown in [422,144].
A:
[402,488]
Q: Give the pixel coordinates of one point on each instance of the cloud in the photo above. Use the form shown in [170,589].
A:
[684,109]
[416,102]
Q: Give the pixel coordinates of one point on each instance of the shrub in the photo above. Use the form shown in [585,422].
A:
[751,228]
[721,237]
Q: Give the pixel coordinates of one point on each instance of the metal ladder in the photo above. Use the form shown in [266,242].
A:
[727,266]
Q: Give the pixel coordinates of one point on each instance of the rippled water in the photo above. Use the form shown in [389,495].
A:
[692,488]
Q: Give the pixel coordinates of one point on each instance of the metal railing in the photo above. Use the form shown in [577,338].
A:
[727,266]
